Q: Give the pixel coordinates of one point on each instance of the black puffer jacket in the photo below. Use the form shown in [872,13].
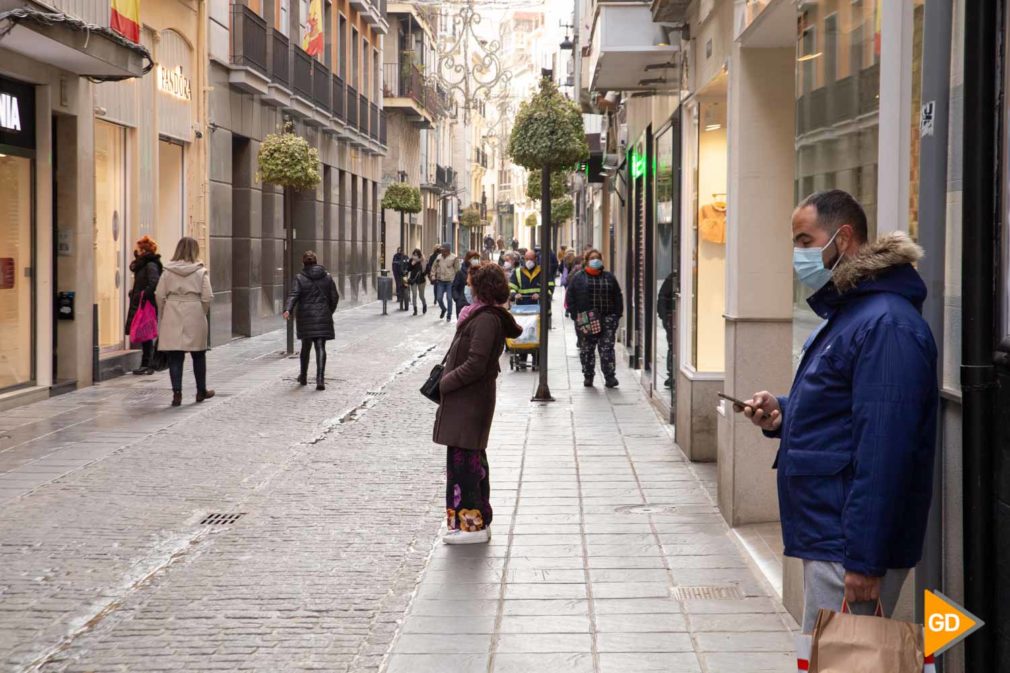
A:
[600,293]
[415,272]
[313,300]
[459,286]
[146,272]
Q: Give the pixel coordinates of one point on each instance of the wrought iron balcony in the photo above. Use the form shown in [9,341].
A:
[339,94]
[321,86]
[382,128]
[373,127]
[281,72]
[248,39]
[362,113]
[302,75]
[405,80]
[352,107]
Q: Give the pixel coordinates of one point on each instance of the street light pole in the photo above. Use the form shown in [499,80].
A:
[543,393]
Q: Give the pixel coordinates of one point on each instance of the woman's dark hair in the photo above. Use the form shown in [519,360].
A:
[489,283]
[471,253]
[591,252]
[417,251]
[309,258]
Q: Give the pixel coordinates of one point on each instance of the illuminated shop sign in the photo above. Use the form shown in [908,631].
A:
[174,83]
[10,112]
[17,113]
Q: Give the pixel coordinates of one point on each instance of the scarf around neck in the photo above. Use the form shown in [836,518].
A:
[468,309]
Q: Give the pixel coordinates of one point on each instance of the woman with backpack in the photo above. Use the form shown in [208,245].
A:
[313,300]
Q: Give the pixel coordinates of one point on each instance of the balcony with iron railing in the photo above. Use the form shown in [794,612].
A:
[339,98]
[352,107]
[248,39]
[280,71]
[405,89]
[302,73]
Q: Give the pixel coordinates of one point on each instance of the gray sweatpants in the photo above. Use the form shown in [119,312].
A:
[824,587]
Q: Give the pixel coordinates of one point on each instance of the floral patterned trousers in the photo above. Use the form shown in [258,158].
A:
[467,490]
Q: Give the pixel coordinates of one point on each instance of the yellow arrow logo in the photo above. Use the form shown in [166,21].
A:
[947,623]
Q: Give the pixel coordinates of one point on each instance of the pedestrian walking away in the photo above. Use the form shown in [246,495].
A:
[468,389]
[858,428]
[459,283]
[443,272]
[399,269]
[184,296]
[312,301]
[593,300]
[415,280]
[146,267]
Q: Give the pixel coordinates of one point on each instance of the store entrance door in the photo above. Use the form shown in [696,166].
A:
[111,234]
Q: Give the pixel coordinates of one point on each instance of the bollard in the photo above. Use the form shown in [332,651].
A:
[384,285]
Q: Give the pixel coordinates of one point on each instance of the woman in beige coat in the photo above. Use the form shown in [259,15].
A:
[184,298]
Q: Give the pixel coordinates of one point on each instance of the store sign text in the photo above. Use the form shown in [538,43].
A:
[174,83]
[10,114]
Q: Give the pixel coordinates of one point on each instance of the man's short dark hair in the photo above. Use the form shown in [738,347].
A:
[836,207]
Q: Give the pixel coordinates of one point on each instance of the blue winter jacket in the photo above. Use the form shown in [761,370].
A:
[855,465]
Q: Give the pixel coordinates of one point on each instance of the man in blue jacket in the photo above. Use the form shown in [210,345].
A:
[855,463]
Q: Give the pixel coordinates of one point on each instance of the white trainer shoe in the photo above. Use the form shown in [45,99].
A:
[467,537]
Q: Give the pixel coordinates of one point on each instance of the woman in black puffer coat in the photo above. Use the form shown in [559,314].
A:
[146,267]
[313,300]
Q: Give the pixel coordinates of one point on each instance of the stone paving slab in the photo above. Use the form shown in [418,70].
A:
[574,580]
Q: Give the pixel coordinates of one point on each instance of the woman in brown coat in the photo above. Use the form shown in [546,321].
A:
[463,420]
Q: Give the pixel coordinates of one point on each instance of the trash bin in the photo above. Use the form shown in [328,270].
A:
[385,287]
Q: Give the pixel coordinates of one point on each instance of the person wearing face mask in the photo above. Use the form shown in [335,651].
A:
[594,301]
[858,428]
[525,281]
[443,273]
[472,258]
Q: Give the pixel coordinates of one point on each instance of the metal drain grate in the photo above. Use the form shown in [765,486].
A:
[221,519]
[725,592]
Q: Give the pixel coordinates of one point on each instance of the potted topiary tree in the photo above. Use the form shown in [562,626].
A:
[287,160]
[404,199]
[548,135]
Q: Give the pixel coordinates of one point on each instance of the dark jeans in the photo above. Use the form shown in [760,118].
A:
[146,353]
[175,362]
[320,347]
[443,295]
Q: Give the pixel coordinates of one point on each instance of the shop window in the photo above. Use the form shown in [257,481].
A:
[170,225]
[665,265]
[836,119]
[708,286]
[111,233]
[16,263]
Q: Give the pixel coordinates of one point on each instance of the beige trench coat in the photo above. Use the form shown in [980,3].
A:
[184,298]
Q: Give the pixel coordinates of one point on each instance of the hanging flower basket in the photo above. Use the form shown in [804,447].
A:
[470,217]
[548,131]
[402,198]
[288,160]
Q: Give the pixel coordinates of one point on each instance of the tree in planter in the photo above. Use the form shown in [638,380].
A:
[548,135]
[470,218]
[531,222]
[287,159]
[404,199]
[562,210]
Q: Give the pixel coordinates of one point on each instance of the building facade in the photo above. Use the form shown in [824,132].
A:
[316,66]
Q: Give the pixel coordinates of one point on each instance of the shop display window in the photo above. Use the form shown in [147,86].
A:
[169,227]
[837,101]
[666,256]
[708,288]
[16,263]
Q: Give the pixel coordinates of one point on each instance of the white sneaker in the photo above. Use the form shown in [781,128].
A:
[467,537]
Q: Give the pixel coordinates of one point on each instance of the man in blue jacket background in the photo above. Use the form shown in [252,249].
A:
[858,428]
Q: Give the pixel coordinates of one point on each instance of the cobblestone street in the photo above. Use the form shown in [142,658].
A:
[608,555]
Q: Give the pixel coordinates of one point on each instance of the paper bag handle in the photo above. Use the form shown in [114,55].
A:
[877,612]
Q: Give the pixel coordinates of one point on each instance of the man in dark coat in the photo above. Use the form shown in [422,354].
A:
[313,300]
[146,267]
[858,428]
[665,305]
[459,282]
[427,271]
[400,264]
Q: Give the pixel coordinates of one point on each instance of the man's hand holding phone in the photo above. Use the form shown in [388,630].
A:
[763,411]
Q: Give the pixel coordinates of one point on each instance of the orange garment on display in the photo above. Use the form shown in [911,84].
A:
[712,222]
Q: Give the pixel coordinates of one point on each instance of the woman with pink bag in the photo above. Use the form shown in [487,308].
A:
[146,267]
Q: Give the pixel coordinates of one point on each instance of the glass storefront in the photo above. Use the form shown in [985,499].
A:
[16,264]
[708,287]
[666,251]
[837,102]
[170,225]
[111,234]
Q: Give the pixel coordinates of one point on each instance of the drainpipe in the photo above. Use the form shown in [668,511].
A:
[979,215]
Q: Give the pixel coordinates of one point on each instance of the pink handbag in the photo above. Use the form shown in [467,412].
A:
[145,322]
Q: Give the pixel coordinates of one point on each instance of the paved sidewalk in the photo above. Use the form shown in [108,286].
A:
[608,554]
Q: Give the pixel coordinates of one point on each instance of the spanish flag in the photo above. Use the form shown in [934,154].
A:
[125,19]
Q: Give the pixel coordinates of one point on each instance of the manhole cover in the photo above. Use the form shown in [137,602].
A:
[646,509]
[221,519]
[725,592]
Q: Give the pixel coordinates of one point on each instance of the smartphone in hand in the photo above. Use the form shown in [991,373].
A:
[738,405]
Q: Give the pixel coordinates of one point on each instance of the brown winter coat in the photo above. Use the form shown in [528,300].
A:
[468,391]
[184,297]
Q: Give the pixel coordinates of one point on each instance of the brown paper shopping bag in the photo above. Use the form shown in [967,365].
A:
[848,643]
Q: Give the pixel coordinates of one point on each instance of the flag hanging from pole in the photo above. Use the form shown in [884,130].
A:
[312,41]
[125,19]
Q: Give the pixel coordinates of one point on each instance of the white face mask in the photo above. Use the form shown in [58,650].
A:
[508,266]
[531,264]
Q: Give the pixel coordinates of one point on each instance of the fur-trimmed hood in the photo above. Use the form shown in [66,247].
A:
[885,253]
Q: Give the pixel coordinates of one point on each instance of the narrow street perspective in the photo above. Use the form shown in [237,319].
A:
[505,336]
